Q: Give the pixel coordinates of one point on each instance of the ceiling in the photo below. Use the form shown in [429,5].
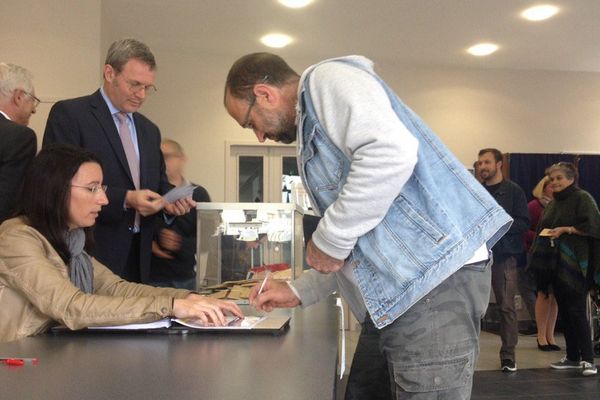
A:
[416,32]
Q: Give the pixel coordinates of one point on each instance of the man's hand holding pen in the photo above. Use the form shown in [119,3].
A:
[274,294]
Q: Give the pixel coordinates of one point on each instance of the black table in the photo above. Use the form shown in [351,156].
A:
[299,364]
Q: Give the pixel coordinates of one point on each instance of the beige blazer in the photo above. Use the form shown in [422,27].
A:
[35,290]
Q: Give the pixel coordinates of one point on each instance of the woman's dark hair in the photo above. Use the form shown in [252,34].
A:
[46,191]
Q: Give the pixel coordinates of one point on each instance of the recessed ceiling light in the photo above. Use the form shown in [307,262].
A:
[540,13]
[277,40]
[295,3]
[482,49]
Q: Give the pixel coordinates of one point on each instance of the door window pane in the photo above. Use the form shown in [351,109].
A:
[251,178]
[289,172]
[289,166]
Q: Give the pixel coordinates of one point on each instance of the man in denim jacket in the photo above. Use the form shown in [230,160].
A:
[400,218]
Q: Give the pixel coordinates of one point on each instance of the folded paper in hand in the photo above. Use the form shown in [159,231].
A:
[180,192]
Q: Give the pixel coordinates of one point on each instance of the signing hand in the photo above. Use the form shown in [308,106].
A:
[321,261]
[207,309]
[144,201]
[275,294]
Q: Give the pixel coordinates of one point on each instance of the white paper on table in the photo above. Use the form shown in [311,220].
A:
[231,322]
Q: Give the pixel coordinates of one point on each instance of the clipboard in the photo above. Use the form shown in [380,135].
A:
[270,324]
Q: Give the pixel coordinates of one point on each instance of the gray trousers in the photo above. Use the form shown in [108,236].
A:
[431,350]
[505,283]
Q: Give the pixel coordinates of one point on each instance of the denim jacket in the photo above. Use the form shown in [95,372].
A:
[433,227]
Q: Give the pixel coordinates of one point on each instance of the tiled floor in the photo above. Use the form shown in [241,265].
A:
[540,384]
[533,380]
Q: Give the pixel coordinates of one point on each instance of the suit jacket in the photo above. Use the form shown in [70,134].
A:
[18,145]
[87,122]
[181,266]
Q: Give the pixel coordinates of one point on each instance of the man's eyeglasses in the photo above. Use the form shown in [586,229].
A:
[246,120]
[36,101]
[136,87]
[93,189]
[246,123]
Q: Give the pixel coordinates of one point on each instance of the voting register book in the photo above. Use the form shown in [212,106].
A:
[271,324]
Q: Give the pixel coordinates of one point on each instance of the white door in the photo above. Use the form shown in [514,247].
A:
[253,172]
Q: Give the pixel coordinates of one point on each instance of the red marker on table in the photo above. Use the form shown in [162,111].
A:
[18,361]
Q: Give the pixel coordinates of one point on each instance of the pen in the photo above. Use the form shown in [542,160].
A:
[262,285]
[18,361]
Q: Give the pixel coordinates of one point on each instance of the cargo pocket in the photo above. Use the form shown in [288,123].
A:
[434,375]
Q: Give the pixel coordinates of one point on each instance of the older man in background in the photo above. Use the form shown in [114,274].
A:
[18,143]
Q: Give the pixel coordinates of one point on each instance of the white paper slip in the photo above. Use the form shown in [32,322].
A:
[180,192]
[161,323]
[546,232]
[232,322]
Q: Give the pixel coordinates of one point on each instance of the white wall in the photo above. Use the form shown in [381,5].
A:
[516,111]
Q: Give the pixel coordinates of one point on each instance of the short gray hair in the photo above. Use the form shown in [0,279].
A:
[13,77]
[567,168]
[124,50]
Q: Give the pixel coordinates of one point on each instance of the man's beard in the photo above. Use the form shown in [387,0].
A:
[282,128]
[491,174]
[287,137]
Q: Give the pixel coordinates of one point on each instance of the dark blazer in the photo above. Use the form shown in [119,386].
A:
[512,198]
[87,122]
[18,145]
[181,267]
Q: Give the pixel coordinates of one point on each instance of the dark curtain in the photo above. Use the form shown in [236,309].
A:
[589,174]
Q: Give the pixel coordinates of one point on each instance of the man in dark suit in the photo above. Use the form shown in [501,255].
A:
[18,143]
[107,123]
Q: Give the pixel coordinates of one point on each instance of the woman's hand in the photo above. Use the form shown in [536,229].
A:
[560,230]
[207,309]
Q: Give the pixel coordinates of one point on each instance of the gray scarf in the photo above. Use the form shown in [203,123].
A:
[81,270]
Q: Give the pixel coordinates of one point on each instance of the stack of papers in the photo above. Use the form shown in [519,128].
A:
[232,322]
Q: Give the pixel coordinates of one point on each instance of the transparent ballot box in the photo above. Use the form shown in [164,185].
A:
[241,241]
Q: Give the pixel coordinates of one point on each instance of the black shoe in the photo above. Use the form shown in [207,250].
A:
[532,330]
[554,347]
[508,365]
[544,347]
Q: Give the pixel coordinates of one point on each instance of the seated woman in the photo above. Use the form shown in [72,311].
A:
[46,274]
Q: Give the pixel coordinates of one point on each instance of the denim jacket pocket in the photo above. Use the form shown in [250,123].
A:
[326,167]
[435,375]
